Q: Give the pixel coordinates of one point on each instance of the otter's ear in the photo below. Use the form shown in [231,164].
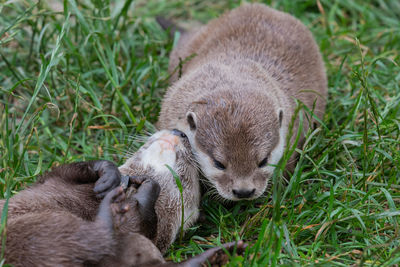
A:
[280,117]
[191,120]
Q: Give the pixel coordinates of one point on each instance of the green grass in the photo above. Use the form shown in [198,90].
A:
[77,83]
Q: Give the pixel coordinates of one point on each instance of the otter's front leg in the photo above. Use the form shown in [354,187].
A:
[103,173]
[111,206]
[135,218]
[141,217]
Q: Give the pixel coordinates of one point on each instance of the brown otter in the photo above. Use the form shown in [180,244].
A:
[76,188]
[236,97]
[166,148]
[58,221]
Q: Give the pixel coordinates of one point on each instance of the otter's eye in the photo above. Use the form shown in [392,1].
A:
[219,165]
[179,133]
[183,135]
[263,163]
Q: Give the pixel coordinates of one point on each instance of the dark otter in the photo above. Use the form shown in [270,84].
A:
[236,97]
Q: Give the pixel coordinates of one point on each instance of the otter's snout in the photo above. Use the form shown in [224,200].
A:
[244,193]
[171,138]
[168,141]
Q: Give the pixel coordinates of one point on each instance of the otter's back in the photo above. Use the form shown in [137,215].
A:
[276,40]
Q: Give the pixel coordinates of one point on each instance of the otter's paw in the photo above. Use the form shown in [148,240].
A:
[109,177]
[217,256]
[137,180]
[147,194]
[146,197]
[105,214]
[119,208]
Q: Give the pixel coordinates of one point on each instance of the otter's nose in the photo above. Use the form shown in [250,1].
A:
[244,193]
[179,133]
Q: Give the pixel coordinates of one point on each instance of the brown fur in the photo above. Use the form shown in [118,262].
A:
[239,90]
[168,205]
[56,238]
[59,221]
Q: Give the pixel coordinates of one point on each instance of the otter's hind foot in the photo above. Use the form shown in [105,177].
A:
[119,208]
[105,214]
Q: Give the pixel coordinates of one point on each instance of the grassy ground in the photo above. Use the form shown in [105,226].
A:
[78,80]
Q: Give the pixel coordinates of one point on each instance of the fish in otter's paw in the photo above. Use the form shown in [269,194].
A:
[236,96]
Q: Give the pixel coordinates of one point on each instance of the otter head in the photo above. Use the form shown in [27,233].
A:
[164,148]
[238,139]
